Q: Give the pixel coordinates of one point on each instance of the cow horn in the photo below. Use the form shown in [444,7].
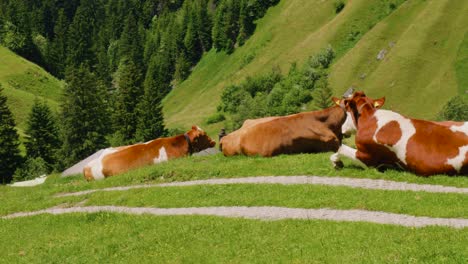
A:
[348,92]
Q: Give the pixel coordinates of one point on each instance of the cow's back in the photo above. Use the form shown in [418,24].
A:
[299,133]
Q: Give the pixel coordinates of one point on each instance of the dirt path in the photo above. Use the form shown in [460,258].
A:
[285,180]
[266,213]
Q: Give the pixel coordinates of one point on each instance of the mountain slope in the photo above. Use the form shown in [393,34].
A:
[417,74]
[23,81]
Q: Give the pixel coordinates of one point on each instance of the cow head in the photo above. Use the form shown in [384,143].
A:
[353,105]
[199,140]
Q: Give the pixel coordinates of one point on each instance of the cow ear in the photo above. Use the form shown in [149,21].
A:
[194,128]
[337,101]
[379,102]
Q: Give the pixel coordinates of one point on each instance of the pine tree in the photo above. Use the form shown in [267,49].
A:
[83,34]
[128,95]
[203,24]
[84,116]
[10,158]
[42,138]
[244,23]
[57,49]
[151,120]
[219,34]
[130,44]
[322,94]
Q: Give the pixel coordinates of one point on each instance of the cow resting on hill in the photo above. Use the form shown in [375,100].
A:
[386,138]
[308,132]
[121,159]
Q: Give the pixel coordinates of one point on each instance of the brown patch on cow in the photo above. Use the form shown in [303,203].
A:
[389,134]
[308,132]
[88,174]
[144,154]
[430,148]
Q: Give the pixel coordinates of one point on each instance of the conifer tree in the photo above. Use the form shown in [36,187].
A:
[130,45]
[57,49]
[151,120]
[83,33]
[42,140]
[10,158]
[203,24]
[128,95]
[219,34]
[322,94]
[244,23]
[84,116]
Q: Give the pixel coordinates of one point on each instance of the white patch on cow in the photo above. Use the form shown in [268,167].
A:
[463,128]
[348,127]
[199,129]
[348,152]
[407,131]
[162,156]
[97,166]
[457,162]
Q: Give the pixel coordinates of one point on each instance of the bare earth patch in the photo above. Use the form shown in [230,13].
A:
[285,180]
[266,213]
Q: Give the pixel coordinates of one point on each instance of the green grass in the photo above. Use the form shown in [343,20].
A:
[114,238]
[292,196]
[461,66]
[421,71]
[417,75]
[218,166]
[120,238]
[23,81]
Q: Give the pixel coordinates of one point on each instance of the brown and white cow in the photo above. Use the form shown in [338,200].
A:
[387,138]
[308,132]
[121,159]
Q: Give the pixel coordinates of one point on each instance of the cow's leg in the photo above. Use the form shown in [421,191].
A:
[345,151]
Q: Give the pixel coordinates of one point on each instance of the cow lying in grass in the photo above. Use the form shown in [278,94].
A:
[386,138]
[308,132]
[121,159]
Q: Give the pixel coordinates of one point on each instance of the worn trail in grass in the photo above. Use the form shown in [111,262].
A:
[266,213]
[332,181]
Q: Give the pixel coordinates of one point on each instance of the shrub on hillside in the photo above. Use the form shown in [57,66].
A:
[274,93]
[456,109]
[339,5]
[32,168]
[215,118]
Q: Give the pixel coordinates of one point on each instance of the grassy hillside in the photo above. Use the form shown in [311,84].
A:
[423,67]
[22,82]
[418,73]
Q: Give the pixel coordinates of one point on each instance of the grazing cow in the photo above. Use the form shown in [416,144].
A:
[308,132]
[121,159]
[386,138]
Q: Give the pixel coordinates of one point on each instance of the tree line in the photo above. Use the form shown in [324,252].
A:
[118,59]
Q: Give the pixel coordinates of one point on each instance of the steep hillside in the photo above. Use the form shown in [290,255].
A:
[22,82]
[417,74]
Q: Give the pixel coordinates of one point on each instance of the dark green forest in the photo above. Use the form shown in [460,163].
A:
[119,59]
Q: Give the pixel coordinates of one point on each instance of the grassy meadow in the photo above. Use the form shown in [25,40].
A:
[111,237]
